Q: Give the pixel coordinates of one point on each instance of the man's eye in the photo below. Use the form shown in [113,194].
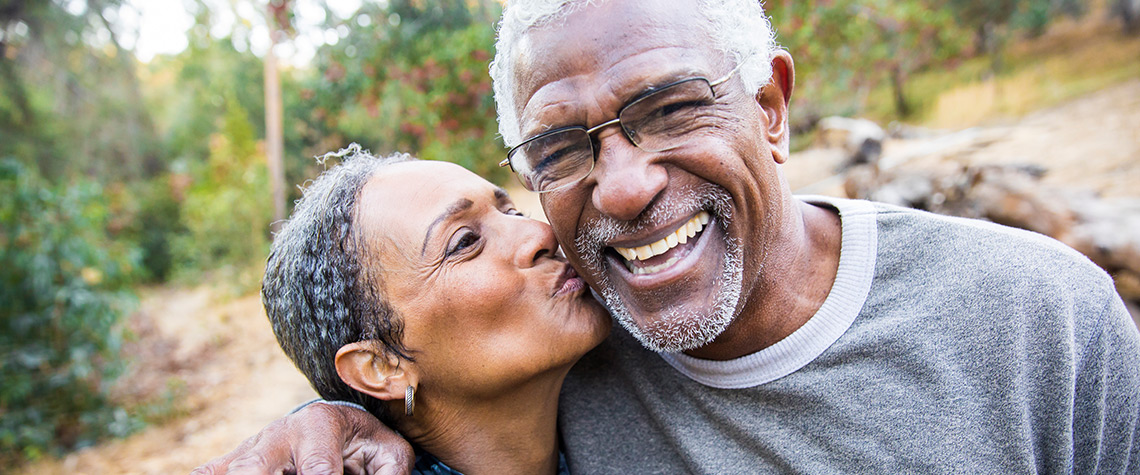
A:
[549,158]
[670,118]
[674,109]
[551,151]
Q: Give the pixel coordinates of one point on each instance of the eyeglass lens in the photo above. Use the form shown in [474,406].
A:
[657,121]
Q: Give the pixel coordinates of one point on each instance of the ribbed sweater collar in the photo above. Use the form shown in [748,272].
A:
[858,248]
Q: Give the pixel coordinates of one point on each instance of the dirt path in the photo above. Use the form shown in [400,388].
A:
[222,356]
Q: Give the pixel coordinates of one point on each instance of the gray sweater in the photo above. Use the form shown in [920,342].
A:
[945,346]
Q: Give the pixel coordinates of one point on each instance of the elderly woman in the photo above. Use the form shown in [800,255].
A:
[417,290]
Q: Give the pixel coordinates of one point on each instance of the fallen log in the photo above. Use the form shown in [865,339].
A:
[1107,231]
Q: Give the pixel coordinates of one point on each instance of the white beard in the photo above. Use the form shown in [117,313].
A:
[676,330]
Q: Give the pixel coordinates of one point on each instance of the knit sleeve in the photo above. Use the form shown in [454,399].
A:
[1106,429]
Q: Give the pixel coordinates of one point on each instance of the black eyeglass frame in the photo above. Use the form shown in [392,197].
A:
[616,120]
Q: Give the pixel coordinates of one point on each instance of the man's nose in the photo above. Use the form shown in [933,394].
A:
[626,180]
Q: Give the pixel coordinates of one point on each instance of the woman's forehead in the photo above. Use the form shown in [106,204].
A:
[402,199]
[422,182]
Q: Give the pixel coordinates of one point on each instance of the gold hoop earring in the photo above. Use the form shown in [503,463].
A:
[409,400]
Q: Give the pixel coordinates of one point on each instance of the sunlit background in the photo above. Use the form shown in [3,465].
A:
[147,147]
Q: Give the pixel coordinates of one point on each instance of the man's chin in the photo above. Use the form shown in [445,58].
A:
[681,326]
[685,302]
[674,324]
[677,331]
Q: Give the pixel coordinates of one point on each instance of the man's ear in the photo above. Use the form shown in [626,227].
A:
[773,99]
[369,369]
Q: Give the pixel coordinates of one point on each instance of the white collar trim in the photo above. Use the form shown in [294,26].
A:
[859,245]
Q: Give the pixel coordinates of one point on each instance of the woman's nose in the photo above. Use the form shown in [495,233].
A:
[533,241]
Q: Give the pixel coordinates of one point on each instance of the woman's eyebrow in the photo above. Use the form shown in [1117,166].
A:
[459,206]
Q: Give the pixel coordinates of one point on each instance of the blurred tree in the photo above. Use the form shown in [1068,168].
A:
[64,284]
[846,48]
[993,21]
[412,77]
[1129,13]
[848,45]
[225,213]
[192,96]
[71,100]
[189,91]
[278,15]
[984,17]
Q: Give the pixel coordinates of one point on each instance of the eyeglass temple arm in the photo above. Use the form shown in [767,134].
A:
[726,76]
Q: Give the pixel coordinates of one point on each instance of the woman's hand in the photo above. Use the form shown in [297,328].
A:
[319,439]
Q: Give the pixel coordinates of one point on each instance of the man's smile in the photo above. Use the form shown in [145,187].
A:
[661,254]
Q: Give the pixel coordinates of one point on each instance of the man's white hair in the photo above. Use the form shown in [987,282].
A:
[739,28]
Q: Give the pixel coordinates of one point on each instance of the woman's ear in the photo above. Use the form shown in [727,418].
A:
[369,369]
[774,98]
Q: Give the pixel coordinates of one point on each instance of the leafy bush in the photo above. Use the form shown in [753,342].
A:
[408,76]
[63,284]
[157,220]
[227,210]
[148,213]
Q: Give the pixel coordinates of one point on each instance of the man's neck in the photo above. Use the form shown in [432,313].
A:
[511,433]
[796,279]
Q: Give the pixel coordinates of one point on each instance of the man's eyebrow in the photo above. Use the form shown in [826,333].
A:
[660,82]
[459,206]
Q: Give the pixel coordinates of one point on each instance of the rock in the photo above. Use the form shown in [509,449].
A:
[862,139]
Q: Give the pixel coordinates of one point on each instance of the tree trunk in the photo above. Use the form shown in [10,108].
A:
[898,80]
[274,137]
[1129,11]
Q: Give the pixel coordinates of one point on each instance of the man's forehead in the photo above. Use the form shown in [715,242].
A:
[572,94]
[616,48]
[590,35]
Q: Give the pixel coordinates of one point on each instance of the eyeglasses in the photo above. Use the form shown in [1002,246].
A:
[656,120]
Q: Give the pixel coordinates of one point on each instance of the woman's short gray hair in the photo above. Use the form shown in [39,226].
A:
[739,28]
[321,287]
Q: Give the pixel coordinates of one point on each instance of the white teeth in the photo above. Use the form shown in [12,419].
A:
[680,236]
[652,269]
[644,252]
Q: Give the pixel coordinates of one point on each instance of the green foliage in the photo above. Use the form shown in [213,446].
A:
[70,101]
[227,209]
[194,89]
[846,49]
[410,77]
[64,287]
[148,213]
[847,46]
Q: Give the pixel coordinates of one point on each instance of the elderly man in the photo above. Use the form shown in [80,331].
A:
[788,334]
